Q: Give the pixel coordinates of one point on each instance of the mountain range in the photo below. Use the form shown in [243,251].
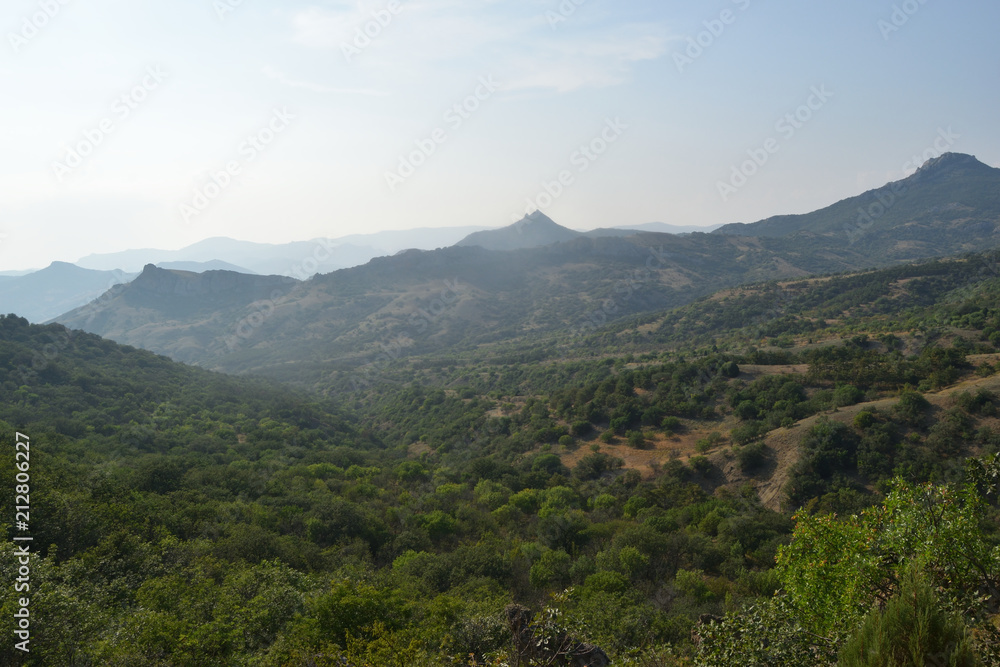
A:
[299,259]
[477,295]
[637,417]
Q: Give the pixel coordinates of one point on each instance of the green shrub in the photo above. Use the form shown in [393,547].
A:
[912,630]
[751,456]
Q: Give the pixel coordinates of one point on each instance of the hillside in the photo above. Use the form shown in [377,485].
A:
[645,477]
[950,205]
[211,303]
[417,302]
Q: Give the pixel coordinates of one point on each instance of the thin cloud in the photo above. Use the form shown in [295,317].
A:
[581,52]
[587,60]
[278,76]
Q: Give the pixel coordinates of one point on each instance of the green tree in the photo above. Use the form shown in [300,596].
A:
[912,631]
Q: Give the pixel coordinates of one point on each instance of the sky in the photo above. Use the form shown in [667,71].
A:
[131,123]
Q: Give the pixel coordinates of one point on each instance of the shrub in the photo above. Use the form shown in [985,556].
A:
[751,456]
[847,394]
[913,630]
[912,406]
[672,424]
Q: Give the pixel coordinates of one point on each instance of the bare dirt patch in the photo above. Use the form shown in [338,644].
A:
[783,443]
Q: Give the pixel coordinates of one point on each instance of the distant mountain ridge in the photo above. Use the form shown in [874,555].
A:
[41,295]
[950,204]
[664,228]
[201,267]
[536,230]
[299,259]
[470,296]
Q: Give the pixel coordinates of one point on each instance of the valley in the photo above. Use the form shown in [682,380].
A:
[627,433]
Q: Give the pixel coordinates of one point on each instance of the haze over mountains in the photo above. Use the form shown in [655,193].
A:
[583,370]
[41,295]
[299,259]
[44,296]
[537,229]
[553,284]
[41,299]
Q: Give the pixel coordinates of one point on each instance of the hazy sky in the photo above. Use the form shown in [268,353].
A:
[131,123]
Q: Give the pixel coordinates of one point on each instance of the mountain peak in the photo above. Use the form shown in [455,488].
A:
[532,231]
[536,219]
[950,162]
[63,266]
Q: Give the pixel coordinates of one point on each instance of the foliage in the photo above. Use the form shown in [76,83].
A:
[912,630]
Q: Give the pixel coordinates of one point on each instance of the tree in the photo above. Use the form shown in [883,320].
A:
[913,630]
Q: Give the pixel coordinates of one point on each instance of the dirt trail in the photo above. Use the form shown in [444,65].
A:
[785,442]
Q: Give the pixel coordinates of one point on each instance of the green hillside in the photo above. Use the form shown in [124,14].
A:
[630,482]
